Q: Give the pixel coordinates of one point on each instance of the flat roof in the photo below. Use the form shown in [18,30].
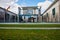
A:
[28,7]
[29,15]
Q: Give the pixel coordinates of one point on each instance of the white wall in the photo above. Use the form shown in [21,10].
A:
[51,19]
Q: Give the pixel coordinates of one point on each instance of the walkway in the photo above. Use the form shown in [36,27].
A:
[29,28]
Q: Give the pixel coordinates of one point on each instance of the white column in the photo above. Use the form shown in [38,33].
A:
[39,14]
[59,10]
[34,11]
[4,17]
[15,18]
[9,17]
[19,12]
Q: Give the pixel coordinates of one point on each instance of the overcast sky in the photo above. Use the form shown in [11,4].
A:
[14,4]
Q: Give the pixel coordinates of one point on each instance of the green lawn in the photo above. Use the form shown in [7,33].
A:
[20,34]
[29,25]
[8,34]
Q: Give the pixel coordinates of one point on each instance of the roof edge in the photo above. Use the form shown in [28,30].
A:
[50,6]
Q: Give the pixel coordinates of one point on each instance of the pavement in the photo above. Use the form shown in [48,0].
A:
[30,27]
[49,28]
[29,23]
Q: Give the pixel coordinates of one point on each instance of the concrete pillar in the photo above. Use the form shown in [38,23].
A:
[39,15]
[34,11]
[53,19]
[4,17]
[47,19]
[19,12]
[59,10]
[37,18]
[50,17]
[15,18]
[9,18]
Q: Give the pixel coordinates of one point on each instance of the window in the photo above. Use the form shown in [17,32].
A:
[40,11]
[47,14]
[53,11]
[30,11]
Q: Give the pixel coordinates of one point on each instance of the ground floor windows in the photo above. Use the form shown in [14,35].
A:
[53,12]
[6,17]
[28,18]
[47,14]
[1,17]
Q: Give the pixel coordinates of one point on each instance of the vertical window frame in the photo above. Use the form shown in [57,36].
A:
[53,12]
[47,14]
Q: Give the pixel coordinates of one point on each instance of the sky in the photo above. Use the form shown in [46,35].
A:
[29,2]
[14,4]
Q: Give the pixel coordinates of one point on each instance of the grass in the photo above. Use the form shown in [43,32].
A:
[7,34]
[29,25]
[20,34]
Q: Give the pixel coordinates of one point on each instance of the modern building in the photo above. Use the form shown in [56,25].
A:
[26,14]
[7,16]
[32,14]
[29,14]
[52,13]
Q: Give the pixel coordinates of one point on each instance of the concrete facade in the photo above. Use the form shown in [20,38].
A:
[7,16]
[29,12]
[51,17]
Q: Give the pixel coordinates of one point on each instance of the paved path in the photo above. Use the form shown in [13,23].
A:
[29,28]
[29,23]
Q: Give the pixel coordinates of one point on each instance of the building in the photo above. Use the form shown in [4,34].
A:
[30,12]
[52,13]
[7,16]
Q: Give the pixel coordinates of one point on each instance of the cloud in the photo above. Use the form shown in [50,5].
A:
[44,5]
[14,8]
[8,1]
[5,3]
[12,3]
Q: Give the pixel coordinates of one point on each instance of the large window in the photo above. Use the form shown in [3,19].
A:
[53,11]
[6,17]
[30,11]
[1,16]
[47,14]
